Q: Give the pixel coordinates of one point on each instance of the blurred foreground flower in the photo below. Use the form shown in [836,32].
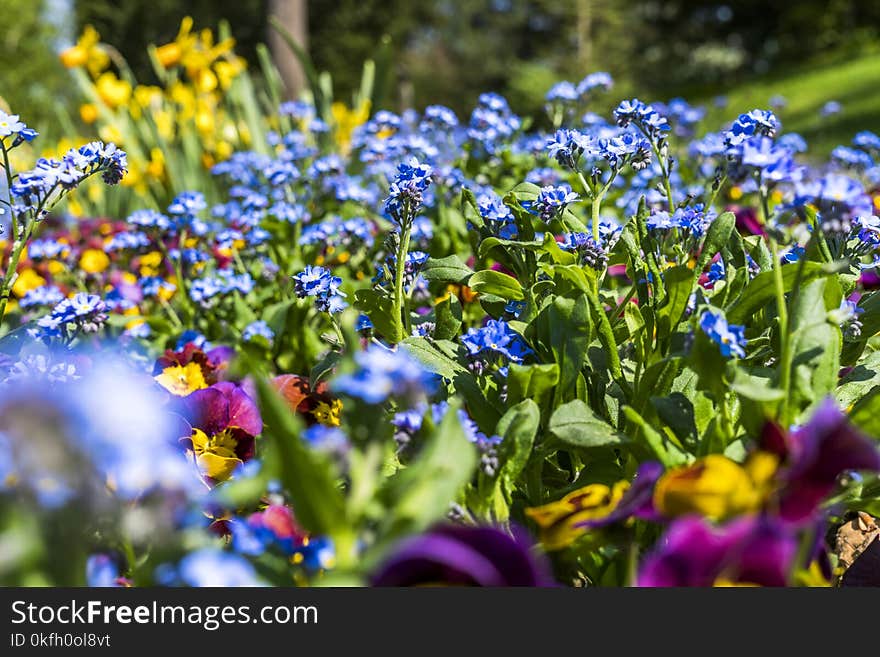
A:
[463,556]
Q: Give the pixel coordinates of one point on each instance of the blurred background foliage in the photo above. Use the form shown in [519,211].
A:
[448,51]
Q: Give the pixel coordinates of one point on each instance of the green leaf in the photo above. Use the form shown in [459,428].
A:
[815,344]
[670,457]
[420,494]
[306,475]
[489,281]
[518,426]
[866,413]
[491,242]
[562,330]
[870,318]
[536,382]
[756,388]
[559,257]
[859,381]
[380,310]
[762,289]
[447,318]
[575,425]
[679,282]
[717,236]
[432,359]
[450,269]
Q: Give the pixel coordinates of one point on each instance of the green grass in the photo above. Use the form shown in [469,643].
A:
[854,83]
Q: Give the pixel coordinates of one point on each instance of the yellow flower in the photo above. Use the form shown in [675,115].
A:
[56,267]
[558,520]
[736,193]
[113,91]
[228,69]
[181,380]
[156,165]
[223,150]
[94,261]
[87,52]
[215,455]
[149,264]
[328,414]
[164,124]
[345,120]
[88,112]
[110,133]
[714,487]
[27,280]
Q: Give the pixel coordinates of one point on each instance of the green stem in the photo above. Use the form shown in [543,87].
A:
[782,314]
[401,306]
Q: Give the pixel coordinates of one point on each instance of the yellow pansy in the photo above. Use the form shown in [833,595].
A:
[27,280]
[328,414]
[182,380]
[215,455]
[558,520]
[94,261]
[715,487]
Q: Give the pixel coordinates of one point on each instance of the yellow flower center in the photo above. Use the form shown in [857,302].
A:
[182,380]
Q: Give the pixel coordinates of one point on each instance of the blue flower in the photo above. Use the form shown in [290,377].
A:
[258,329]
[496,337]
[406,193]
[214,567]
[551,202]
[497,216]
[598,80]
[563,91]
[383,373]
[756,122]
[45,295]
[10,124]
[187,204]
[321,284]
[567,147]
[730,338]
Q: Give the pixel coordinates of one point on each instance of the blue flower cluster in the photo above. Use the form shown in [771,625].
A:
[495,341]
[383,373]
[225,281]
[82,312]
[321,284]
[33,188]
[405,195]
[551,202]
[258,330]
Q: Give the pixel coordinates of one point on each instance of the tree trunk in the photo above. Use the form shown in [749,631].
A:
[293,14]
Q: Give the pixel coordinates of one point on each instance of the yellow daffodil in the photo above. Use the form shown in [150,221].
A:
[113,91]
[345,120]
[181,380]
[88,112]
[87,52]
[558,520]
